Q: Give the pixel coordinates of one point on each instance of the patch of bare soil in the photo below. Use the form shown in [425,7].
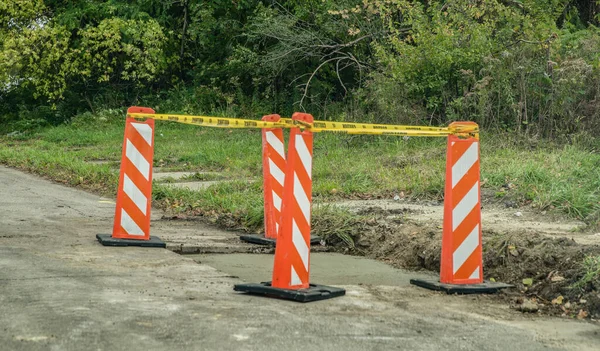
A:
[544,268]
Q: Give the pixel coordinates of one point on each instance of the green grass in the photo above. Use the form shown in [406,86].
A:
[591,268]
[554,177]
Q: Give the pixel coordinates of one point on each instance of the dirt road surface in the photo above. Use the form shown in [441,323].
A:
[61,290]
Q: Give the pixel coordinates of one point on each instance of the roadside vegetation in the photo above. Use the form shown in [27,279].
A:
[544,175]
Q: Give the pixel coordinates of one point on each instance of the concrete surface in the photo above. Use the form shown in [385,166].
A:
[193,185]
[161,176]
[61,290]
[325,269]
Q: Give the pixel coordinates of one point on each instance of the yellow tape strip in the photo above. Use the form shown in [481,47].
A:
[317,126]
[331,126]
[207,121]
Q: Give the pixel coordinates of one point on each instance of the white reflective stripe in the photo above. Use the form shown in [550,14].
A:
[300,244]
[295,278]
[464,164]
[475,274]
[276,172]
[145,131]
[301,198]
[277,228]
[276,201]
[465,206]
[277,144]
[129,225]
[304,154]
[135,194]
[466,248]
[138,160]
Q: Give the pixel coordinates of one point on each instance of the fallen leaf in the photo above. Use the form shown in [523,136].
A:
[528,281]
[558,300]
[582,314]
[557,278]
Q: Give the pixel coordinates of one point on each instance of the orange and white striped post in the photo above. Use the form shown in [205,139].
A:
[134,194]
[461,260]
[292,252]
[274,167]
[461,266]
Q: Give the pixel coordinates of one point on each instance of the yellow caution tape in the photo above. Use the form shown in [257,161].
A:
[319,126]
[316,126]
[207,121]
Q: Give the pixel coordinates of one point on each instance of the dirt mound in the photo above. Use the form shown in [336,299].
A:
[548,271]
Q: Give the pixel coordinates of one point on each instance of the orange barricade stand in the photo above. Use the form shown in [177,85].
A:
[274,168]
[134,195]
[461,267]
[292,251]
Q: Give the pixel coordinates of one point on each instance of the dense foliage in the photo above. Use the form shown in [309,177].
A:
[531,66]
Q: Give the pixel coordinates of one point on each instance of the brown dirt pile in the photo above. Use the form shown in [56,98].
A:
[544,270]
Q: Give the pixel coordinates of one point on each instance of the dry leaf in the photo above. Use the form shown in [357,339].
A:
[582,314]
[558,300]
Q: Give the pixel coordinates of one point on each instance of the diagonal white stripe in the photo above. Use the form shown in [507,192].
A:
[464,163]
[475,274]
[295,278]
[277,144]
[145,131]
[276,172]
[276,201]
[129,225]
[138,160]
[135,194]
[465,206]
[304,154]
[301,198]
[277,229]
[300,244]
[466,248]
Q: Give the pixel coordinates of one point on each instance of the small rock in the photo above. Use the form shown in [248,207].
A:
[396,198]
[510,204]
[518,214]
[568,305]
[528,306]
[582,301]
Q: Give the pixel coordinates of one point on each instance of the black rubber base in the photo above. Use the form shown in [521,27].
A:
[108,240]
[313,293]
[261,240]
[486,287]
